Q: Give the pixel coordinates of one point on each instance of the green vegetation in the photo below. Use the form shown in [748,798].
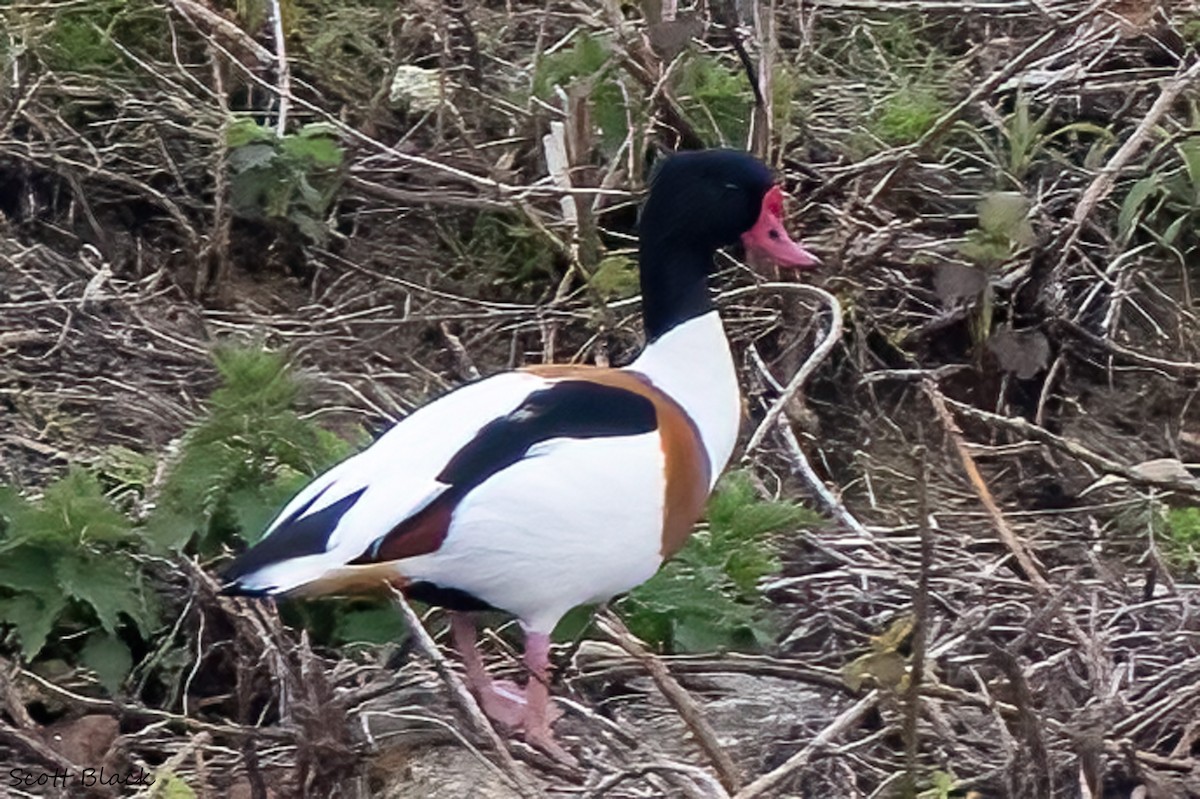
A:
[73,582]
[88,37]
[616,277]
[242,462]
[1175,530]
[905,76]
[501,248]
[886,664]
[1181,538]
[1025,143]
[1002,230]
[907,114]
[292,178]
[715,98]
[588,67]
[707,597]
[1165,205]
[71,585]
[713,94]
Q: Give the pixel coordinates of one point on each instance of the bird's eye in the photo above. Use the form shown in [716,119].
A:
[733,187]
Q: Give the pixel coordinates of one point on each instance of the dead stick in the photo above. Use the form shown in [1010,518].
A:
[1139,358]
[1077,450]
[1104,181]
[1007,535]
[679,698]
[206,19]
[822,350]
[766,784]
[912,697]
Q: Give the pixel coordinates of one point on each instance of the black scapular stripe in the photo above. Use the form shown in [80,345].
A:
[298,535]
[569,409]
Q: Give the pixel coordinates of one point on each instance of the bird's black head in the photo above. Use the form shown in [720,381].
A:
[715,198]
[699,202]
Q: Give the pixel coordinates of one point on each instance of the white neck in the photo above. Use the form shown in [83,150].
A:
[692,363]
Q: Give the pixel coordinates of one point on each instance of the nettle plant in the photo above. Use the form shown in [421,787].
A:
[71,582]
[707,597]
[244,459]
[291,178]
[74,582]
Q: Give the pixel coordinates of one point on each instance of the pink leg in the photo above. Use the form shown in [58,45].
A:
[539,714]
[503,702]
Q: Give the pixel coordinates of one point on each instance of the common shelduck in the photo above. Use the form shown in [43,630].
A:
[548,487]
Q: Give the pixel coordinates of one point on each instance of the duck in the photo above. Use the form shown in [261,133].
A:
[541,489]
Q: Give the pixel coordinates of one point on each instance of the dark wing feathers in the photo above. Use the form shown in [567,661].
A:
[568,409]
[296,536]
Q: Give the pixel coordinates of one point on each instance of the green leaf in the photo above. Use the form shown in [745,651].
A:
[33,618]
[254,507]
[248,191]
[1184,525]
[318,129]
[109,586]
[1172,232]
[371,625]
[251,156]
[1004,215]
[884,669]
[906,115]
[310,228]
[707,597]
[616,277]
[109,658]
[248,455]
[1132,206]
[575,624]
[699,635]
[13,508]
[169,530]
[74,510]
[943,784]
[29,569]
[586,57]
[1189,151]
[315,149]
[244,131]
[715,98]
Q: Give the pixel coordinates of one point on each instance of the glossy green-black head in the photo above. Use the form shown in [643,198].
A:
[701,201]
[715,198]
